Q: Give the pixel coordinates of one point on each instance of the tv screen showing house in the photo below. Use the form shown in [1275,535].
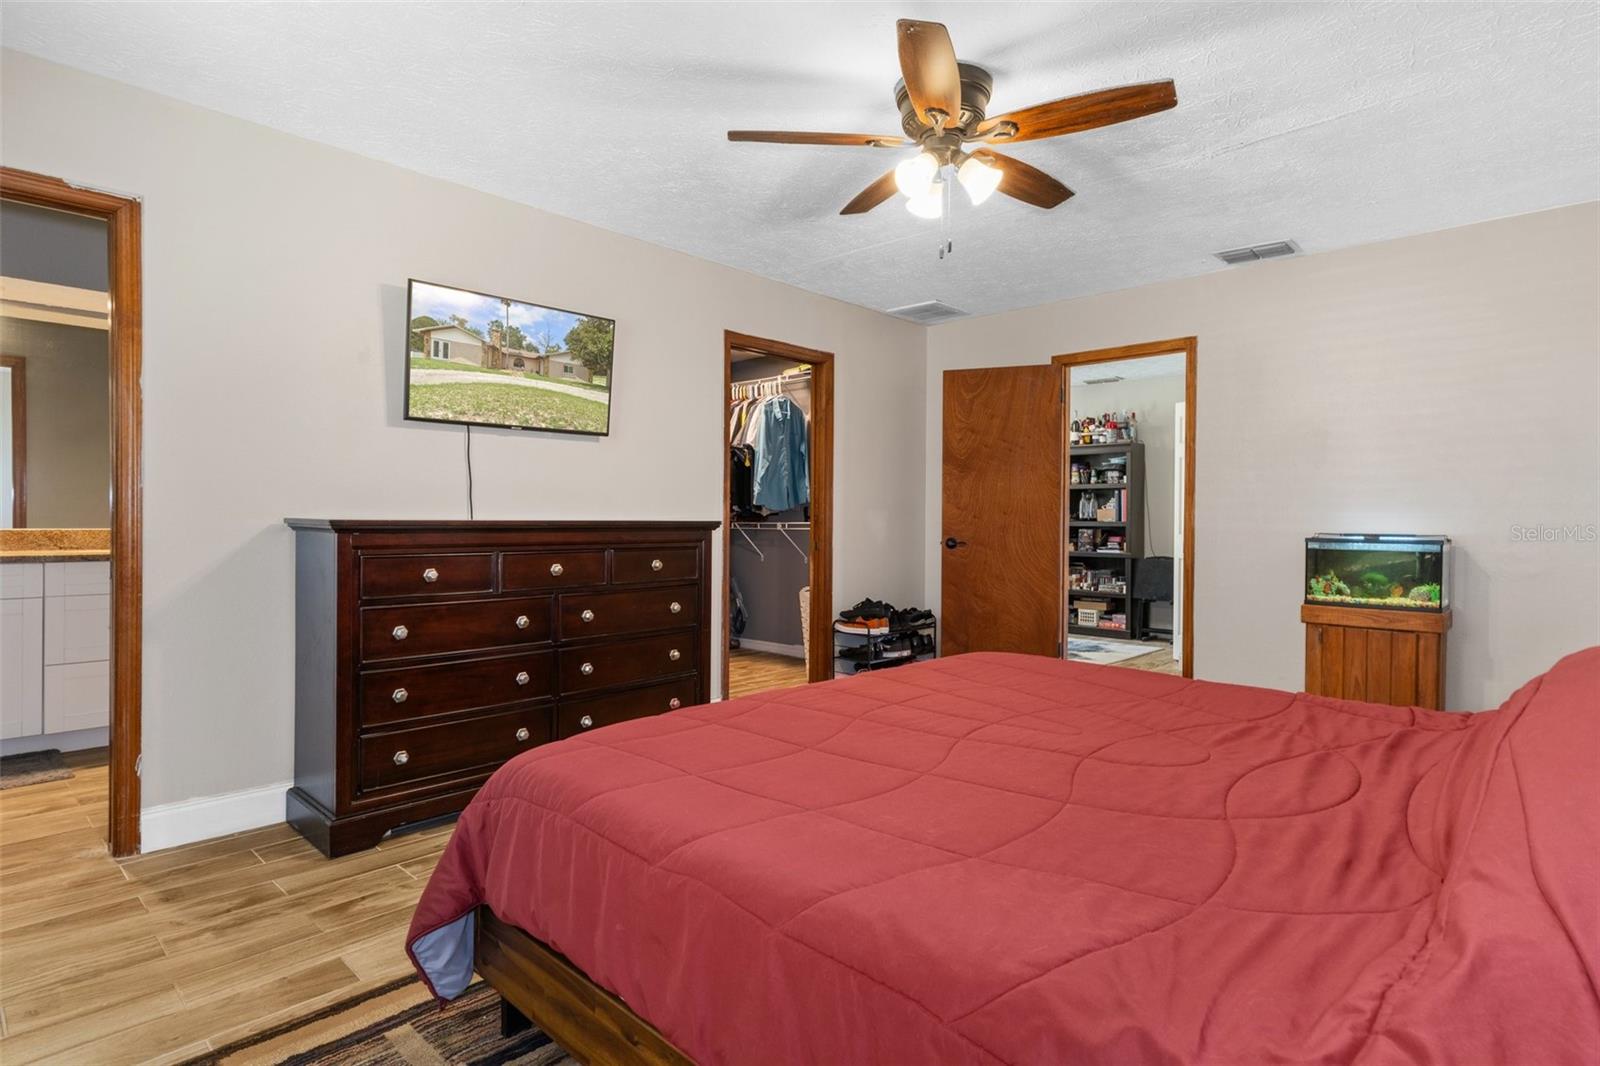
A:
[491,361]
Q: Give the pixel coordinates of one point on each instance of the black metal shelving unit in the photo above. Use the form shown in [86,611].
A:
[1127,459]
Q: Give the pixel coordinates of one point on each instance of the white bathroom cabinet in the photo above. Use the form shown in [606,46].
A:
[55,647]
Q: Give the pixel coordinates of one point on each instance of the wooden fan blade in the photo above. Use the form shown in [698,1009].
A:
[871,196]
[1022,182]
[1086,112]
[867,140]
[928,63]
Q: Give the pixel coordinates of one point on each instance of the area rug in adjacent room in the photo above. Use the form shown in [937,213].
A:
[33,768]
[398,1024]
[1105,651]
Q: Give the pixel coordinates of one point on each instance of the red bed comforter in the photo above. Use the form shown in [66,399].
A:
[1006,859]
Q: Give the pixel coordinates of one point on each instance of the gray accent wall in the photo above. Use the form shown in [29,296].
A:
[61,248]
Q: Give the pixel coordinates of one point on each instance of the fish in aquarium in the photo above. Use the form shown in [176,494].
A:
[1394,571]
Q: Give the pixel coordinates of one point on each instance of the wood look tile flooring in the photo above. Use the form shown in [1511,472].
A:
[758,671]
[1159,662]
[167,955]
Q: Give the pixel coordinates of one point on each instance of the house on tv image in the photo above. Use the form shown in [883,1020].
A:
[452,343]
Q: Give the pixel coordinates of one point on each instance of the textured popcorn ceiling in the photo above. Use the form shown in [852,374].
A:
[1331,124]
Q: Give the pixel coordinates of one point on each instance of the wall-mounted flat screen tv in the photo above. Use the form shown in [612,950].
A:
[485,360]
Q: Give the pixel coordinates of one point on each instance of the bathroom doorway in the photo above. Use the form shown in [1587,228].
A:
[70,423]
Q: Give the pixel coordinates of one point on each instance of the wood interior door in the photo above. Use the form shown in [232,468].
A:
[1001,533]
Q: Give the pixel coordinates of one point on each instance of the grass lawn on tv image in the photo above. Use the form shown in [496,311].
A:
[508,398]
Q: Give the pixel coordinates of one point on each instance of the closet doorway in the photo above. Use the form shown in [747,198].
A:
[1128,526]
[777,532]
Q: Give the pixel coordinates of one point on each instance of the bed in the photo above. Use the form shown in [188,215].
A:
[999,858]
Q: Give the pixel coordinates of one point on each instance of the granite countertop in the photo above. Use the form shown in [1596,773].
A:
[54,555]
[54,545]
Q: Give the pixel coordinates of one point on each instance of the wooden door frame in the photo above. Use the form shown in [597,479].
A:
[819,666]
[1188,346]
[18,366]
[121,215]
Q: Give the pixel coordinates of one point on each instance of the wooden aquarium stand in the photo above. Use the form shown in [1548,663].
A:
[1360,653]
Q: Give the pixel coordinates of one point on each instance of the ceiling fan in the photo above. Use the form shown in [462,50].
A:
[942,104]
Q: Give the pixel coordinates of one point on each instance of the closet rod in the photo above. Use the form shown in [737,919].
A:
[775,379]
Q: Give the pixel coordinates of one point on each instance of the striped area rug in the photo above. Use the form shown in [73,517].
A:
[397,1024]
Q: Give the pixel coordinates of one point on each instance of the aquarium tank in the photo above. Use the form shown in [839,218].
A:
[1393,571]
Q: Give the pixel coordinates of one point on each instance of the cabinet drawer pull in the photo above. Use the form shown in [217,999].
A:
[522,621]
[655,564]
[401,757]
[586,669]
[430,575]
[400,695]
[587,616]
[522,734]
[676,607]
[674,703]
[674,655]
[399,632]
[522,677]
[556,569]
[586,721]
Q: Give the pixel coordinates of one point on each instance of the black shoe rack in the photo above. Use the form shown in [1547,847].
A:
[857,653]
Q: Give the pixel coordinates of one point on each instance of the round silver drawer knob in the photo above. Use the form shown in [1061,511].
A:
[401,757]
[400,695]
[676,607]
[586,721]
[587,616]
[522,734]
[430,575]
[655,564]
[586,669]
[674,703]
[399,632]
[522,621]
[522,677]
[556,569]
[674,655]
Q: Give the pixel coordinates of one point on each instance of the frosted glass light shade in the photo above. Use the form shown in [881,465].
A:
[914,176]
[979,179]
[929,204]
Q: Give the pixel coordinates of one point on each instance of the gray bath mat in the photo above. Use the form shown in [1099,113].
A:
[33,768]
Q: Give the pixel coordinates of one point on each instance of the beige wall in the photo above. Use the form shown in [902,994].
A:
[255,240]
[1446,383]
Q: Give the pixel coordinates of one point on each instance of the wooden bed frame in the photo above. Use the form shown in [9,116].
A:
[539,986]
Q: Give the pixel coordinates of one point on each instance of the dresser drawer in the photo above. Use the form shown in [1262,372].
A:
[579,716]
[625,662]
[426,575]
[420,691]
[456,747]
[551,570]
[630,566]
[609,614]
[435,629]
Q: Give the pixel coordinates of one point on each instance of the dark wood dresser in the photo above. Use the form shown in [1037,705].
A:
[428,653]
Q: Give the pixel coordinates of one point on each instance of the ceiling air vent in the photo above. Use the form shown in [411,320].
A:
[1274,250]
[928,312]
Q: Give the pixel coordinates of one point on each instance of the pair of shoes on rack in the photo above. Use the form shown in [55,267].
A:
[867,609]
[869,626]
[911,616]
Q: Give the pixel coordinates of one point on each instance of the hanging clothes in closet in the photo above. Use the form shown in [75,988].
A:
[769,450]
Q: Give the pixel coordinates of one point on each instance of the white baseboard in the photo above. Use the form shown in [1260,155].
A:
[793,651]
[73,740]
[204,817]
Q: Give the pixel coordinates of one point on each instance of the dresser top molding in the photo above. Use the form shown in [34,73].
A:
[462,525]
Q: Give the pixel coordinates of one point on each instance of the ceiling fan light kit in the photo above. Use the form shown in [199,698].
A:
[943,107]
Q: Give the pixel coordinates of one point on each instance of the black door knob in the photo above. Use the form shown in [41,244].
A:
[952,543]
